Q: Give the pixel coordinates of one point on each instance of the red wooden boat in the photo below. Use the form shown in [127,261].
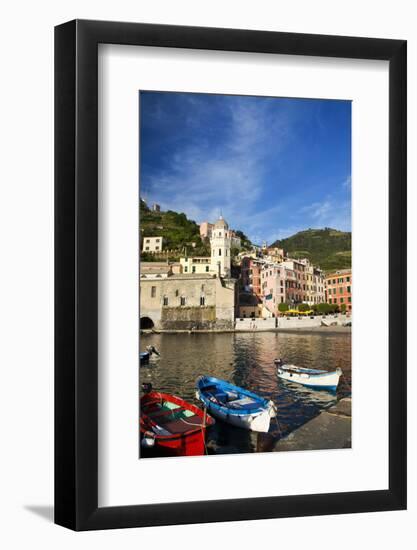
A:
[172,425]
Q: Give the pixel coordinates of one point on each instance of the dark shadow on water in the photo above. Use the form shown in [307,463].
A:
[45,512]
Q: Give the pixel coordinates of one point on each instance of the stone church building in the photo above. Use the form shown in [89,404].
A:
[199,295]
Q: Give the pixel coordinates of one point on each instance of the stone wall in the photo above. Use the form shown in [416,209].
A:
[188,318]
[186,302]
[310,322]
[255,324]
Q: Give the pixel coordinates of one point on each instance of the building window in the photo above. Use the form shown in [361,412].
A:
[341,300]
[330,300]
[340,290]
[202,301]
[193,268]
[220,251]
[157,240]
[153,291]
[182,301]
[185,269]
[156,247]
[147,248]
[165,300]
[176,293]
[349,299]
[148,241]
[348,289]
[348,279]
[207,268]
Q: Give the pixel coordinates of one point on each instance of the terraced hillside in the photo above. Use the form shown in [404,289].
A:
[328,248]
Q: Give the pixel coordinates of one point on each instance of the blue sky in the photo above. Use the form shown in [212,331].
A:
[271,166]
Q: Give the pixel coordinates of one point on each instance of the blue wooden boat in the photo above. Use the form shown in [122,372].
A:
[235,405]
[144,356]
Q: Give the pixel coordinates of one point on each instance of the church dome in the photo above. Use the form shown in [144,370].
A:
[221,224]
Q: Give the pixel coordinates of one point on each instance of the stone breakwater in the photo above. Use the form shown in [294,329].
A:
[291,323]
[305,330]
[331,429]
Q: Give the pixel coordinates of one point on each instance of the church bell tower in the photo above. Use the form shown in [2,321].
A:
[220,243]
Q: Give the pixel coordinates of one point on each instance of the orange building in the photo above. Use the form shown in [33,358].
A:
[339,288]
[251,275]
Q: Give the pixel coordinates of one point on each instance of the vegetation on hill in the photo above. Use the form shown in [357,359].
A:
[179,233]
[328,248]
[244,240]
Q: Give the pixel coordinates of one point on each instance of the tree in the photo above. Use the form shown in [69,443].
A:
[245,242]
[233,252]
[303,307]
[343,308]
[283,307]
[333,308]
[323,308]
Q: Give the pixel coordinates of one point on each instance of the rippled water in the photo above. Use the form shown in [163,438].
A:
[247,360]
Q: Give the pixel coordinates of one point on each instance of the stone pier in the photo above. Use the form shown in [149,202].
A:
[331,429]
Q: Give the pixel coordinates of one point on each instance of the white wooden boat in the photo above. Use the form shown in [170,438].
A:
[312,378]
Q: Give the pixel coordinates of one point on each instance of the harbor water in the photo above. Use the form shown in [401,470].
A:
[247,360]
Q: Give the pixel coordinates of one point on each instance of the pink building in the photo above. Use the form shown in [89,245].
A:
[273,281]
[206,230]
[297,286]
[293,294]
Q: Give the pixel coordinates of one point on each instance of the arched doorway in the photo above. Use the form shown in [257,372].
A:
[146,323]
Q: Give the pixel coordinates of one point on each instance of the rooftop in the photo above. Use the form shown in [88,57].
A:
[221,223]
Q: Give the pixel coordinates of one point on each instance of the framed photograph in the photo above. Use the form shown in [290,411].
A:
[230,338]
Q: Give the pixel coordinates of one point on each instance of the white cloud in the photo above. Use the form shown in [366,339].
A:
[201,180]
[328,213]
[347,182]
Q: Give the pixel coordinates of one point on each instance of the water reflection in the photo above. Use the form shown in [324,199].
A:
[247,360]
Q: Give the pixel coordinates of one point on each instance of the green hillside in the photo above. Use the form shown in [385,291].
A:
[178,232]
[176,229]
[328,248]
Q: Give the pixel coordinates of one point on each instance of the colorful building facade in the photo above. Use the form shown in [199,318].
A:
[273,278]
[251,269]
[339,288]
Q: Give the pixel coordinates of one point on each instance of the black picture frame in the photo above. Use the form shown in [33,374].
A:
[76,272]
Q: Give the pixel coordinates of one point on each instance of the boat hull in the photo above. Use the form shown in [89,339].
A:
[257,420]
[187,443]
[178,445]
[326,381]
